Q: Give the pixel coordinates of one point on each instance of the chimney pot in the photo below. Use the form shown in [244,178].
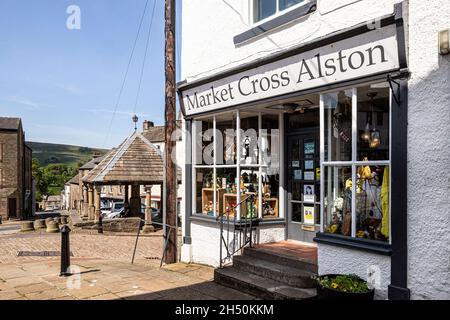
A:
[147,125]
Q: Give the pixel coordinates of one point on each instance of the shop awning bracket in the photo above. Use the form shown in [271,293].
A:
[395,93]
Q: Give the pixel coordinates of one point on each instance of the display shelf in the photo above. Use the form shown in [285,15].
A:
[273,202]
[230,200]
[208,198]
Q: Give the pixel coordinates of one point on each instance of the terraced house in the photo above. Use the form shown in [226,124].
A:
[319,127]
[16,181]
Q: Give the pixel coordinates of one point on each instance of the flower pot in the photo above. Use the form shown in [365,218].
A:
[324,293]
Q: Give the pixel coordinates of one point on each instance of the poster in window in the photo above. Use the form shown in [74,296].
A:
[309,175]
[308,215]
[298,174]
[308,193]
[310,147]
[309,165]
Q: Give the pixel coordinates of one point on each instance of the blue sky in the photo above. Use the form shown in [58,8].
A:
[64,83]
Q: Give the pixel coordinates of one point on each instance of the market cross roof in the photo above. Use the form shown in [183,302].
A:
[135,161]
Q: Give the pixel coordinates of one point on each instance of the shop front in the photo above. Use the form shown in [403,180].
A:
[315,135]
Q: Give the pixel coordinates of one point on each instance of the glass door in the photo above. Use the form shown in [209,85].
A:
[303,185]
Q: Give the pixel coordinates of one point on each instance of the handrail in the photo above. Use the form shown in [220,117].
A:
[242,229]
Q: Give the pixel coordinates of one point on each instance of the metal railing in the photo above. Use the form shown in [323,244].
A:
[166,238]
[236,234]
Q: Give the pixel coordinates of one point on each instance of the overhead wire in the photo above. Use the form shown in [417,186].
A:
[145,58]
[125,75]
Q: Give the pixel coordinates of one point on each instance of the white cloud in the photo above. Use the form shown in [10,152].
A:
[72,89]
[125,113]
[26,102]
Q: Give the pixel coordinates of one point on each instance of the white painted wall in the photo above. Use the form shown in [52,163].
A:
[339,260]
[205,247]
[208,48]
[428,153]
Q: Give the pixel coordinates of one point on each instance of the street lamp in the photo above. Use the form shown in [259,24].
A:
[135,120]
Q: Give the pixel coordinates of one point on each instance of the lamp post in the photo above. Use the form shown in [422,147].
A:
[135,120]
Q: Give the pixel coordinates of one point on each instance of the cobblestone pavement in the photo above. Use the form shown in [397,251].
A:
[103,270]
[82,245]
[111,280]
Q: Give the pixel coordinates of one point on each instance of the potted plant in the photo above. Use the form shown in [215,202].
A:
[343,287]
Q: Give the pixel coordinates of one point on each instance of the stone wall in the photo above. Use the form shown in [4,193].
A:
[126,225]
[9,187]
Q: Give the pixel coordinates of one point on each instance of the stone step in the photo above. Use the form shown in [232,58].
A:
[279,272]
[282,259]
[260,287]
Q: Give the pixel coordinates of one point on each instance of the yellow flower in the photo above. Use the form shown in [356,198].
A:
[334,285]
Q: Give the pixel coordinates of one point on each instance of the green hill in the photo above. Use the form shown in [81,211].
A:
[48,153]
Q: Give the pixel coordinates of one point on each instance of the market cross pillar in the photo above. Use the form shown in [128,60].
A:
[97,197]
[148,228]
[135,200]
[91,207]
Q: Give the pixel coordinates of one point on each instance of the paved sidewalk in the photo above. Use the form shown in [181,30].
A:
[116,247]
[108,280]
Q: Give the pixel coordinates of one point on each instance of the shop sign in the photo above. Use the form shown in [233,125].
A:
[367,54]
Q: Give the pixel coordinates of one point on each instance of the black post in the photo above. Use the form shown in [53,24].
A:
[100,223]
[65,251]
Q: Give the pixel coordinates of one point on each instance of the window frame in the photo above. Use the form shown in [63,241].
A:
[354,163]
[238,165]
[277,13]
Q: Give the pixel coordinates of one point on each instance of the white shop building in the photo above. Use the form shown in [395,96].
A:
[326,120]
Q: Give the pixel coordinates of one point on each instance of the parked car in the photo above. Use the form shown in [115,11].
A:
[115,208]
[156,214]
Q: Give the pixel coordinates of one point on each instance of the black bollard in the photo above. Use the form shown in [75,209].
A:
[100,223]
[65,251]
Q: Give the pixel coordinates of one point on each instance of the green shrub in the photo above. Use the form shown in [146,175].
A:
[345,283]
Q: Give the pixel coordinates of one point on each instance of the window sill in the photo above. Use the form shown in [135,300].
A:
[366,245]
[276,22]
[213,220]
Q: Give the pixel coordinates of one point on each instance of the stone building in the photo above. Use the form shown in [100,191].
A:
[16,182]
[74,193]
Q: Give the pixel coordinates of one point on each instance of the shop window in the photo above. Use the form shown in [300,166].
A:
[226,139]
[356,177]
[263,9]
[203,137]
[269,142]
[226,182]
[204,191]
[338,200]
[373,124]
[249,140]
[338,126]
[270,194]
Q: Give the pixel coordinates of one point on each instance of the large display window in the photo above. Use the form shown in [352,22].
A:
[355,152]
[236,155]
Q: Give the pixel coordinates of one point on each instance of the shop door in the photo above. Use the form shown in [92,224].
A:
[12,208]
[303,186]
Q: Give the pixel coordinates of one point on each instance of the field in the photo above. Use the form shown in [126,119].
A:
[48,153]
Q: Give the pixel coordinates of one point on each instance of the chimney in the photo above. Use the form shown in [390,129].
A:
[96,154]
[147,125]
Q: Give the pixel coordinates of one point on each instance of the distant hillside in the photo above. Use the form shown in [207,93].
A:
[48,153]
